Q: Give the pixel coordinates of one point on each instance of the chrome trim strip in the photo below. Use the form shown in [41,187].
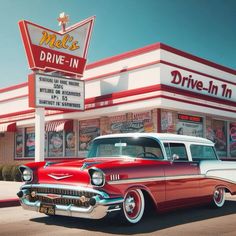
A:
[222,179]
[97,212]
[157,178]
[66,187]
[59,177]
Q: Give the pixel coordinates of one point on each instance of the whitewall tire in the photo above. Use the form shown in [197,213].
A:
[133,206]
[218,197]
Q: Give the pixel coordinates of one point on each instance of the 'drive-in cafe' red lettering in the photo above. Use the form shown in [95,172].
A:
[195,84]
[186,81]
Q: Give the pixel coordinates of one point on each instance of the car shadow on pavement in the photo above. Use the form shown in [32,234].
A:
[151,223]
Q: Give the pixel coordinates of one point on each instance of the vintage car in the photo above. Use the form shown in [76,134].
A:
[124,173]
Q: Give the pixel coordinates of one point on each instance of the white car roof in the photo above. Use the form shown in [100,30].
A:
[162,137]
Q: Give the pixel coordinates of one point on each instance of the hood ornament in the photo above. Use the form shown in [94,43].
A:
[59,176]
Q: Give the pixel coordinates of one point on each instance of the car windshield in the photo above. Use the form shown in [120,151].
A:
[126,147]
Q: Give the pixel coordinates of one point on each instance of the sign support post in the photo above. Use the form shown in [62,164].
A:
[39,133]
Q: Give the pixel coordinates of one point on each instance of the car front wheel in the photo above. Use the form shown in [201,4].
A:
[133,206]
[218,197]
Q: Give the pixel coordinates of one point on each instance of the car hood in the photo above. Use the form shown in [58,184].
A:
[76,172]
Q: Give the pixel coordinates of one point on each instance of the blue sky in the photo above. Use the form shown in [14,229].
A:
[205,28]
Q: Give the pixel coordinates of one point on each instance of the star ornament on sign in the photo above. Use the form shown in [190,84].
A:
[63,19]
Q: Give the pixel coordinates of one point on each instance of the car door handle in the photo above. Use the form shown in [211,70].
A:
[193,164]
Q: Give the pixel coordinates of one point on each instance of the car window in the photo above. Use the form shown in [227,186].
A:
[202,152]
[126,146]
[176,149]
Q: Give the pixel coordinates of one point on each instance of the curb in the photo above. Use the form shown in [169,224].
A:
[9,202]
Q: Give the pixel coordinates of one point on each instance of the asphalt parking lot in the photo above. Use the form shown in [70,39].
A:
[194,221]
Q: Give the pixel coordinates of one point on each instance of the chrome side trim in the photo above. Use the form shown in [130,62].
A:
[152,179]
[222,179]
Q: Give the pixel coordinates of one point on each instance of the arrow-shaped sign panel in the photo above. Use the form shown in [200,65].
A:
[49,50]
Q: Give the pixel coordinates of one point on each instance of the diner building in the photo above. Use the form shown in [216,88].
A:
[156,88]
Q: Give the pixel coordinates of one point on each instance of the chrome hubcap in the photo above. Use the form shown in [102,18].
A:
[129,204]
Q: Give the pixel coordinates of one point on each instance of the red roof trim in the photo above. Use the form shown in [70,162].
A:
[13,87]
[197,59]
[125,55]
[156,46]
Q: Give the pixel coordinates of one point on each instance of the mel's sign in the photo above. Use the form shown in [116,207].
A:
[49,50]
[55,92]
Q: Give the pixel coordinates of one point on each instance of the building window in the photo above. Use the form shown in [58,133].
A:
[19,144]
[189,125]
[70,143]
[232,139]
[168,121]
[29,142]
[216,132]
[88,130]
[55,144]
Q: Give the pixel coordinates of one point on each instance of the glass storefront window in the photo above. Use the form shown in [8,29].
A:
[19,143]
[88,130]
[29,142]
[216,132]
[189,125]
[70,143]
[232,139]
[168,122]
[55,144]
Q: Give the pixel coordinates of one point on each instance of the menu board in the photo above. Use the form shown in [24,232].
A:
[57,92]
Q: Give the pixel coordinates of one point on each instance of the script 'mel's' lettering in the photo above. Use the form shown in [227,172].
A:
[51,40]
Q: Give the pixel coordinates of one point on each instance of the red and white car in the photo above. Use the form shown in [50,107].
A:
[125,172]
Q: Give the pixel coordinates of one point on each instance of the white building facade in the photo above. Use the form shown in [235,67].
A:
[152,89]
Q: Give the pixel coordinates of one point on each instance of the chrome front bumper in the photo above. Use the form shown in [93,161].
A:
[101,203]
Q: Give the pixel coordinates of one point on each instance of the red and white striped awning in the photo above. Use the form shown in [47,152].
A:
[8,127]
[59,125]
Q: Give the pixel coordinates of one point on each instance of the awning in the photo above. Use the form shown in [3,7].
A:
[59,125]
[8,127]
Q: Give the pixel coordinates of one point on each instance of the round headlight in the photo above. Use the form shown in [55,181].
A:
[97,178]
[27,175]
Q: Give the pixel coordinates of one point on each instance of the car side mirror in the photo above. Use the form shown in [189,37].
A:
[174,157]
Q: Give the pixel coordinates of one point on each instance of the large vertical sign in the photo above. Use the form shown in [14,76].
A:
[63,51]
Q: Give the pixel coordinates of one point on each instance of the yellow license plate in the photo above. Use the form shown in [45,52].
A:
[47,209]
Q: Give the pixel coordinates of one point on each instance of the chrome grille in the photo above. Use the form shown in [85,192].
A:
[69,196]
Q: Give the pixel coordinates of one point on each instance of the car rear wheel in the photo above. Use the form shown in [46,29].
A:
[133,206]
[218,197]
